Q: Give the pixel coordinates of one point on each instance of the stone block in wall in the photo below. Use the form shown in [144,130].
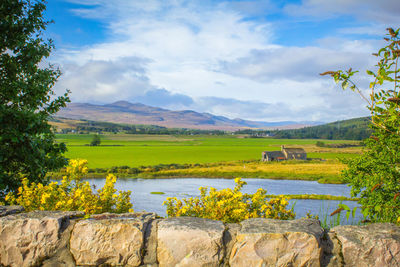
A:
[8,210]
[231,231]
[369,245]
[27,239]
[63,256]
[190,241]
[110,239]
[150,244]
[268,242]
[332,251]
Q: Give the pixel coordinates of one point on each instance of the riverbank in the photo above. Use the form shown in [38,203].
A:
[317,197]
[322,171]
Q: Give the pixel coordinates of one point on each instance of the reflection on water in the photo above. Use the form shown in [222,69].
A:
[189,187]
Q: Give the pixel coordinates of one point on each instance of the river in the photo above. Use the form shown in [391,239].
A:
[142,198]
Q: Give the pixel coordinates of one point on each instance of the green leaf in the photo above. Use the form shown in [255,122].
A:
[347,215]
[345,84]
[371,73]
[371,85]
[343,206]
[336,78]
[353,213]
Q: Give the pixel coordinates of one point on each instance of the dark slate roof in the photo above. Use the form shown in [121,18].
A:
[274,154]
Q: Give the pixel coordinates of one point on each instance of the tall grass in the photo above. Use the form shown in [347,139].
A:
[329,220]
[284,170]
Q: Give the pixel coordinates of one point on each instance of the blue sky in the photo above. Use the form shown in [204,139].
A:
[249,59]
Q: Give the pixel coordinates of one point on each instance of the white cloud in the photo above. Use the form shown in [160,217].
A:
[211,57]
[301,64]
[382,11]
[102,81]
[184,44]
[374,30]
[165,99]
[326,105]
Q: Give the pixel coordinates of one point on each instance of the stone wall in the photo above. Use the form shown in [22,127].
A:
[49,238]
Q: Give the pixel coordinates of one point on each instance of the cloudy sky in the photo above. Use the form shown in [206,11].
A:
[249,59]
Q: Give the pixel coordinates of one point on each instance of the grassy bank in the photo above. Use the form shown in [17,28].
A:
[318,197]
[321,171]
[324,172]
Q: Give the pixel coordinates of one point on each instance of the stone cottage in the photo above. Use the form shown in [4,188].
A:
[284,154]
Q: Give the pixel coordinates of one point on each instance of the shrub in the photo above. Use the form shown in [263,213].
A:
[229,205]
[320,144]
[375,175]
[96,141]
[72,194]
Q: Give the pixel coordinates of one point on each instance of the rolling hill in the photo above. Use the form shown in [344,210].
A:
[124,112]
[353,129]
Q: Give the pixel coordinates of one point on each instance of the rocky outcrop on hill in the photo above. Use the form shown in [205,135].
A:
[48,238]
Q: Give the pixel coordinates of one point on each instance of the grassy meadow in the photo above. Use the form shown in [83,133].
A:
[145,150]
[214,156]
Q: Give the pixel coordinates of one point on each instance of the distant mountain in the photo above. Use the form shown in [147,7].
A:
[129,113]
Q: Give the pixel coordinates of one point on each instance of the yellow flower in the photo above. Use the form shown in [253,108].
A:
[229,205]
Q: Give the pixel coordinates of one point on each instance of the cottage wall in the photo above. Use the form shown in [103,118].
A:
[284,154]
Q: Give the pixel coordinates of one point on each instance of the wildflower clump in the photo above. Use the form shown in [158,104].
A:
[229,205]
[72,194]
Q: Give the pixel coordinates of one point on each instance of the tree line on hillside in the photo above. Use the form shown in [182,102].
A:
[354,129]
[85,127]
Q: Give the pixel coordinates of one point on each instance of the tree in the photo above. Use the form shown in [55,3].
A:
[27,143]
[375,175]
[95,140]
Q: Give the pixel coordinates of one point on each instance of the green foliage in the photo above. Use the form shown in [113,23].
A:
[354,129]
[375,175]
[229,205]
[27,144]
[318,197]
[72,194]
[95,140]
[88,126]
[320,144]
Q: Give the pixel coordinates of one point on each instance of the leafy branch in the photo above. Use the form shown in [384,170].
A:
[383,103]
[375,175]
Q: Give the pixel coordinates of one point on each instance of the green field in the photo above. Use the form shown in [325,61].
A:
[146,150]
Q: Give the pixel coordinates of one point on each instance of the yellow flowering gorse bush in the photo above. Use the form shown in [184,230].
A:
[72,194]
[229,205]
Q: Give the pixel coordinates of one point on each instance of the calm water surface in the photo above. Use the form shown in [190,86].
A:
[189,187]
